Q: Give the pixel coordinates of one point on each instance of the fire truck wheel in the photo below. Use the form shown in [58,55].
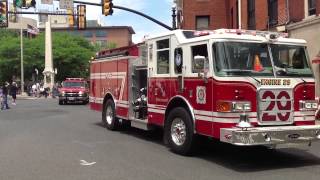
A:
[109,116]
[179,131]
[60,102]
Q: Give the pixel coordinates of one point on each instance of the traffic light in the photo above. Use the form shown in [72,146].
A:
[81,10]
[70,17]
[3,13]
[107,6]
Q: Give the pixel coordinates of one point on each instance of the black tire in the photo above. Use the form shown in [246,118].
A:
[113,122]
[60,102]
[187,146]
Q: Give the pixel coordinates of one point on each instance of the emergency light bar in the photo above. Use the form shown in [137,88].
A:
[75,79]
[269,35]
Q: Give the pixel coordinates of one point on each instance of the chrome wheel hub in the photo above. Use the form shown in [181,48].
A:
[109,115]
[178,131]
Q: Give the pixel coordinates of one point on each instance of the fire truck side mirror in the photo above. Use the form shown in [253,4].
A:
[201,65]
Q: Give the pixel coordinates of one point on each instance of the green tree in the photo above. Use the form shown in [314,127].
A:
[71,55]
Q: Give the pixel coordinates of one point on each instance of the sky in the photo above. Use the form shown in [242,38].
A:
[158,9]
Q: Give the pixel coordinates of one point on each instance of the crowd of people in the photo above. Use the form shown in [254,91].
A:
[7,90]
[39,90]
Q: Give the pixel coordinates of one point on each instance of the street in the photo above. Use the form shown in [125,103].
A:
[42,140]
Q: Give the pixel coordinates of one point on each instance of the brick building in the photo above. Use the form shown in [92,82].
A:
[255,14]
[102,35]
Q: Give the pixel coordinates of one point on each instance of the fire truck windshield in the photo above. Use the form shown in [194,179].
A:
[254,59]
[290,60]
[73,84]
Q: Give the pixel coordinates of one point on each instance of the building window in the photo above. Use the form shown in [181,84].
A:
[251,15]
[163,56]
[311,7]
[87,34]
[202,22]
[273,12]
[101,33]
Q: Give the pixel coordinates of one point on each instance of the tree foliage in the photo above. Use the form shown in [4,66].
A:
[71,55]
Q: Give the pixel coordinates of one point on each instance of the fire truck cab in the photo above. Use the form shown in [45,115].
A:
[242,87]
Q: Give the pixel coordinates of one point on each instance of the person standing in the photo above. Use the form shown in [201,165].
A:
[1,97]
[13,92]
[5,96]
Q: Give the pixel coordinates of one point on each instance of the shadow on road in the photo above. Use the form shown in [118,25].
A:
[241,159]
[251,159]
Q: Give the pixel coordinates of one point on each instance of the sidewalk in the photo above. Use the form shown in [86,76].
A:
[25,97]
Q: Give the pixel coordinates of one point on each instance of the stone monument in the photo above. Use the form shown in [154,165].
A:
[48,71]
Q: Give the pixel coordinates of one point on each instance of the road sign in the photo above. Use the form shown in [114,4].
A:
[66,4]
[46,1]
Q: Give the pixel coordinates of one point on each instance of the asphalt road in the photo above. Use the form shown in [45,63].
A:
[41,140]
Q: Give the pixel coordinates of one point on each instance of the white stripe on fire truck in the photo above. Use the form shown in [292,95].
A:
[306,118]
[108,74]
[122,85]
[221,119]
[219,114]
[123,102]
[304,113]
[156,106]
[156,111]
[123,105]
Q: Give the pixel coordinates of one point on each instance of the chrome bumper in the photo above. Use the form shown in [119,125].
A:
[271,136]
[79,98]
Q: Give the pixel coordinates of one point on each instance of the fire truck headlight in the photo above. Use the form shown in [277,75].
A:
[233,106]
[63,93]
[314,105]
[241,106]
[308,105]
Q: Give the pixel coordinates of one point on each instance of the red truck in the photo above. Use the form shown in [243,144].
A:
[74,90]
[241,87]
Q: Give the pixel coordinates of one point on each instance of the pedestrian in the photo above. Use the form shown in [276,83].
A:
[34,89]
[5,96]
[13,92]
[1,96]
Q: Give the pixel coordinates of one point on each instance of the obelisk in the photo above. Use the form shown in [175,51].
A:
[48,71]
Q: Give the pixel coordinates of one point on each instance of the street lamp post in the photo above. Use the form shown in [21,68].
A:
[22,69]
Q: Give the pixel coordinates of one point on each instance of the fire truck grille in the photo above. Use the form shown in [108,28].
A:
[72,95]
[275,106]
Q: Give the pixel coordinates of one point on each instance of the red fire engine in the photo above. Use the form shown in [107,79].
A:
[74,90]
[242,87]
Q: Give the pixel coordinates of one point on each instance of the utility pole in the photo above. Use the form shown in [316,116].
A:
[174,16]
[22,69]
